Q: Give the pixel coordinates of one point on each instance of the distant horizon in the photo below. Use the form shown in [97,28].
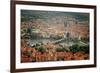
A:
[32,15]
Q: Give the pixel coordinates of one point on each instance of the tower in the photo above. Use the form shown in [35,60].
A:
[65,29]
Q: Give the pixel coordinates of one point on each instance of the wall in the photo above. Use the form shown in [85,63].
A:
[5,36]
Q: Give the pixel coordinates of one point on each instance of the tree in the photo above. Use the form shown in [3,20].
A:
[41,49]
[74,48]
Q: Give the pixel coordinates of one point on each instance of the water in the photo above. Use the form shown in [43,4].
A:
[39,41]
[62,41]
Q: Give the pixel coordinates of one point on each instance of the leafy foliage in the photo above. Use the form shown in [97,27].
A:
[74,48]
[41,49]
[79,48]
